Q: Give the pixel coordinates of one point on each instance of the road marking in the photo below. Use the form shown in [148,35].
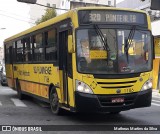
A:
[156,97]
[155,101]
[18,102]
[0,103]
[155,104]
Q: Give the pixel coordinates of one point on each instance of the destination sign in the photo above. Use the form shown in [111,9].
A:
[112,17]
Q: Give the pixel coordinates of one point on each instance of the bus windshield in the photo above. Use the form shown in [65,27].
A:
[129,51]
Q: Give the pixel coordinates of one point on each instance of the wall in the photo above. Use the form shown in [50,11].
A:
[134,4]
[65,4]
[155,27]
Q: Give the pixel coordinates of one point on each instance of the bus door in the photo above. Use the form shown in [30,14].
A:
[64,66]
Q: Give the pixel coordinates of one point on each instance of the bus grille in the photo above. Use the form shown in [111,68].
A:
[111,85]
[106,100]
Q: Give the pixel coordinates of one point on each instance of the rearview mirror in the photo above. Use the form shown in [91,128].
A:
[155,4]
[70,44]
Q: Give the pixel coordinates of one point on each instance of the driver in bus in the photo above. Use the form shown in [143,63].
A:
[85,50]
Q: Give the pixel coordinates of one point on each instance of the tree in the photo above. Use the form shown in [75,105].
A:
[49,14]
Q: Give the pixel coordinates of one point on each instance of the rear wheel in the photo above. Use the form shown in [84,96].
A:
[54,102]
[2,83]
[21,96]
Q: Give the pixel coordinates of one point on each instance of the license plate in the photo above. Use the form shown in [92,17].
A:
[117,100]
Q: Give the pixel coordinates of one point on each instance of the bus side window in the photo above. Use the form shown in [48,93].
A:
[14,51]
[19,51]
[38,48]
[50,45]
[7,58]
[27,49]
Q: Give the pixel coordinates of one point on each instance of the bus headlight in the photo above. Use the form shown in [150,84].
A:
[147,85]
[82,87]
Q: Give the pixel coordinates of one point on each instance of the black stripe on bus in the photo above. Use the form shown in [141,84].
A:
[36,83]
[117,86]
[116,76]
[124,82]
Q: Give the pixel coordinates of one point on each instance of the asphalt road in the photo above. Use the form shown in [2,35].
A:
[32,112]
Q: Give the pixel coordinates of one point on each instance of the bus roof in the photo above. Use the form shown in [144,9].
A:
[64,16]
[156,36]
[110,8]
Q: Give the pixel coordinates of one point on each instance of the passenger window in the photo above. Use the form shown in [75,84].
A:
[7,53]
[38,41]
[27,49]
[19,51]
[14,51]
[50,45]
[38,48]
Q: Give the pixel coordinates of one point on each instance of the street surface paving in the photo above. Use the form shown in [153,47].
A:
[33,112]
[156,98]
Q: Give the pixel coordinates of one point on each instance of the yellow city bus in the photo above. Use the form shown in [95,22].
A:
[94,59]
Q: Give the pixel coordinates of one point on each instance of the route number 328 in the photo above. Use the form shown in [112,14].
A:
[94,17]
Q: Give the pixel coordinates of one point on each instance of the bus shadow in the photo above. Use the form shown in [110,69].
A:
[123,118]
[107,118]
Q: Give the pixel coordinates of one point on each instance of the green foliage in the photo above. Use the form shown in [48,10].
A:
[49,14]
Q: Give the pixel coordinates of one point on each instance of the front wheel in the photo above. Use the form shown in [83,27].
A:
[54,102]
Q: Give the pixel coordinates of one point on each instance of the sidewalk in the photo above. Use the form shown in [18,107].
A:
[155,93]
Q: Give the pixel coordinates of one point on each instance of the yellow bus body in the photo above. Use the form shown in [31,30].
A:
[37,79]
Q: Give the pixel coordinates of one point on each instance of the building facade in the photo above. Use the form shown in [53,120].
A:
[70,4]
[37,11]
[135,4]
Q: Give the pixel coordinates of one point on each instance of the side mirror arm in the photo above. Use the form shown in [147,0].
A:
[71,48]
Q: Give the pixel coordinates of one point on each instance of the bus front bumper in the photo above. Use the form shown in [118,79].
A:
[103,103]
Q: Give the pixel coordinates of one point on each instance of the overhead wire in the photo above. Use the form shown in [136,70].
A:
[16,14]
[29,18]
[16,18]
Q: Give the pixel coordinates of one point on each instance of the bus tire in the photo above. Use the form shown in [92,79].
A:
[54,102]
[2,83]
[115,113]
[19,91]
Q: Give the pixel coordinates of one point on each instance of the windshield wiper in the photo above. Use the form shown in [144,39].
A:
[103,39]
[128,41]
